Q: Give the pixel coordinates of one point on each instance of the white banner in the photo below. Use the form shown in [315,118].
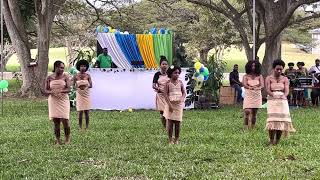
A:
[119,89]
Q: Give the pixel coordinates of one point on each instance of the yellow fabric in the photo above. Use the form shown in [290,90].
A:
[145,43]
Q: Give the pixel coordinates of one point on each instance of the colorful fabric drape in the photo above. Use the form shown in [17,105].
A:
[145,43]
[162,47]
[108,40]
[138,51]
[129,47]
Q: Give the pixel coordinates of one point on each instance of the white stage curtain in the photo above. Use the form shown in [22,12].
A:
[108,40]
[122,90]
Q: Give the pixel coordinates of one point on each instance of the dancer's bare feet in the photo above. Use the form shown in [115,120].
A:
[176,141]
[57,142]
[271,143]
[245,127]
[68,140]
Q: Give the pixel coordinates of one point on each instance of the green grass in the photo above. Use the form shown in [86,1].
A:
[123,145]
[54,54]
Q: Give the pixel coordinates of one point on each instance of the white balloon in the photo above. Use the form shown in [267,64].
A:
[200,78]
[242,94]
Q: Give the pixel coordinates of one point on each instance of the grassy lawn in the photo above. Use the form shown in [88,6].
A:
[54,54]
[124,145]
[232,56]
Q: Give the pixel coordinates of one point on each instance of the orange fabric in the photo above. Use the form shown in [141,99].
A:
[145,43]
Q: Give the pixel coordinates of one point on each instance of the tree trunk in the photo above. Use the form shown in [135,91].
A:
[18,36]
[204,54]
[33,77]
[274,12]
[43,29]
[272,52]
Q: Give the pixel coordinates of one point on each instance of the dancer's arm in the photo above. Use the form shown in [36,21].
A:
[245,83]
[286,88]
[268,86]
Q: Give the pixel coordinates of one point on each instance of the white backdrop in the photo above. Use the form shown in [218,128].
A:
[124,89]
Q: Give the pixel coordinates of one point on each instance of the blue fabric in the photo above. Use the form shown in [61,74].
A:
[130,49]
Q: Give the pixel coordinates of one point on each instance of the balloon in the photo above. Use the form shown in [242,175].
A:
[243,90]
[196,74]
[205,71]
[162,31]
[106,29]
[201,69]
[126,32]
[264,106]
[130,110]
[197,65]
[4,84]
[200,78]
[73,70]
[206,78]
[117,32]
[168,31]
[100,29]
[5,90]
[154,31]
[145,32]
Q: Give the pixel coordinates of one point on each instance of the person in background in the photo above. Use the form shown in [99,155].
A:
[302,95]
[235,82]
[278,114]
[301,71]
[104,60]
[315,72]
[57,86]
[290,73]
[158,84]
[253,83]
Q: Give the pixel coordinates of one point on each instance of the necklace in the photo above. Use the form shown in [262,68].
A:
[277,78]
[174,82]
[82,76]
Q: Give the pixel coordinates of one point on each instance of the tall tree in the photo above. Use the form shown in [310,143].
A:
[272,18]
[45,11]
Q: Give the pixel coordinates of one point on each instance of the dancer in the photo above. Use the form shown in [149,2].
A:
[253,83]
[175,95]
[279,119]
[57,86]
[82,81]
[159,81]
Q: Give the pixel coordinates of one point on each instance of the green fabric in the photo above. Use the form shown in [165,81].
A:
[105,61]
[163,46]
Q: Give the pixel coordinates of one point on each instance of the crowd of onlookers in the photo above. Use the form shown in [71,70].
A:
[298,95]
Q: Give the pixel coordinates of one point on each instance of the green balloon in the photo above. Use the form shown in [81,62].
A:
[73,70]
[205,71]
[4,84]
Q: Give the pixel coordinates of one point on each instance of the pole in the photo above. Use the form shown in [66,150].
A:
[254,30]
[2,43]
